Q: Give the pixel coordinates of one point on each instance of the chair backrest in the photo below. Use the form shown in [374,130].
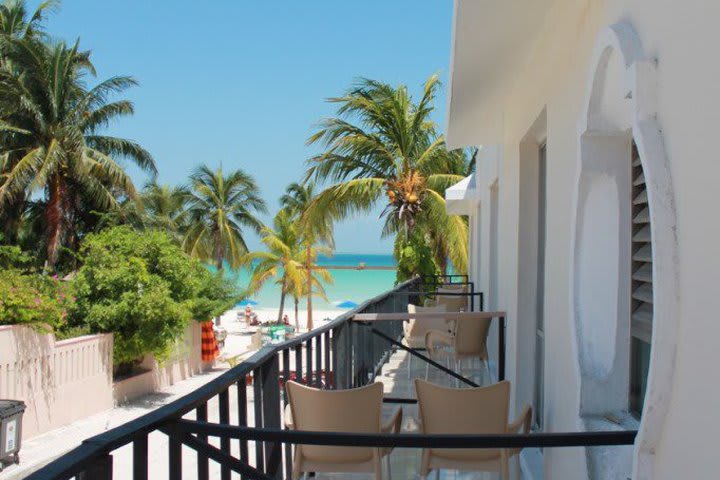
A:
[471,337]
[418,327]
[453,303]
[356,410]
[459,411]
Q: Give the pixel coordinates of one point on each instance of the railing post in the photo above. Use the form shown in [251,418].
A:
[472,297]
[224,417]
[242,417]
[298,363]
[338,368]
[100,469]
[258,414]
[174,456]
[350,358]
[329,376]
[501,349]
[308,362]
[140,458]
[342,359]
[203,464]
[318,362]
[271,414]
[286,374]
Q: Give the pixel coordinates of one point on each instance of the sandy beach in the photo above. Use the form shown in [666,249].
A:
[239,339]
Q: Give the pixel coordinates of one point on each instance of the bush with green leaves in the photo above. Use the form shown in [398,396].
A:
[143,288]
[28,298]
[414,255]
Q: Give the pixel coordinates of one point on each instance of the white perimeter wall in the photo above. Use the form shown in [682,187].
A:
[684,38]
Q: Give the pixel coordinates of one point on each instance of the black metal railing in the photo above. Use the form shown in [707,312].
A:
[232,427]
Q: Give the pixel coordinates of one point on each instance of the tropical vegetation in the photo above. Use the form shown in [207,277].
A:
[382,148]
[219,208]
[286,260]
[108,256]
[56,155]
[27,298]
[140,286]
[316,235]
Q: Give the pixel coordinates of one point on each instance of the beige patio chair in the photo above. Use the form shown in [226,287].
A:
[416,328]
[469,341]
[460,411]
[452,303]
[356,410]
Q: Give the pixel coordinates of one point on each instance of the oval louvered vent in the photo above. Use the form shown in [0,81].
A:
[642,289]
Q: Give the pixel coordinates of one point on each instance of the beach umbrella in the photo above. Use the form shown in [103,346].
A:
[247,302]
[346,304]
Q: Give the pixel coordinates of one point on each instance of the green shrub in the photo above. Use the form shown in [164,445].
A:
[414,255]
[32,299]
[143,288]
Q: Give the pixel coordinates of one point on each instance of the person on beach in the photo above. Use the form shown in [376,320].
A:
[248,315]
[286,319]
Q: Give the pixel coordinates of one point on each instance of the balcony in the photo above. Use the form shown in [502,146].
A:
[232,427]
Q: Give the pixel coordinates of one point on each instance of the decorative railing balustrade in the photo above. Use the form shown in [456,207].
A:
[233,424]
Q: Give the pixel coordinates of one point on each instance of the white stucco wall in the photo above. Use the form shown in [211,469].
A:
[555,79]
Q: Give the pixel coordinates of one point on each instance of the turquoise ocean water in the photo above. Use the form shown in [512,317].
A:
[354,285]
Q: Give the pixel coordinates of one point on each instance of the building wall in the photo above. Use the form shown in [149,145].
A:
[553,81]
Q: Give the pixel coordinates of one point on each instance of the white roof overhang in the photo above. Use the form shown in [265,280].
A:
[491,40]
[462,198]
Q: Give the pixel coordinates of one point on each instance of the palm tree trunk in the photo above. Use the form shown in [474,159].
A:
[54,220]
[282,304]
[297,321]
[309,287]
[218,264]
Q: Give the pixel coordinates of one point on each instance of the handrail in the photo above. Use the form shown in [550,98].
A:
[367,318]
[383,317]
[356,355]
[413,440]
[98,445]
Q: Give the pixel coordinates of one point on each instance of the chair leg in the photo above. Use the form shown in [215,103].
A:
[437,474]
[409,365]
[389,471]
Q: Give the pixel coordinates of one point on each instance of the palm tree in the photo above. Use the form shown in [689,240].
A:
[50,133]
[285,260]
[296,200]
[15,22]
[218,209]
[164,208]
[383,145]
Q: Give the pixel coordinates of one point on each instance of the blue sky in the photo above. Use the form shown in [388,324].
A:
[242,83]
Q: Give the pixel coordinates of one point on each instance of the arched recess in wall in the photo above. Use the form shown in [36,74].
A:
[620,111]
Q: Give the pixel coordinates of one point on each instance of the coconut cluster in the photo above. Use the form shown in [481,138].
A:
[405,197]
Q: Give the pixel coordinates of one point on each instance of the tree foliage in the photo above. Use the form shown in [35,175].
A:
[219,207]
[144,289]
[285,261]
[55,152]
[383,148]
